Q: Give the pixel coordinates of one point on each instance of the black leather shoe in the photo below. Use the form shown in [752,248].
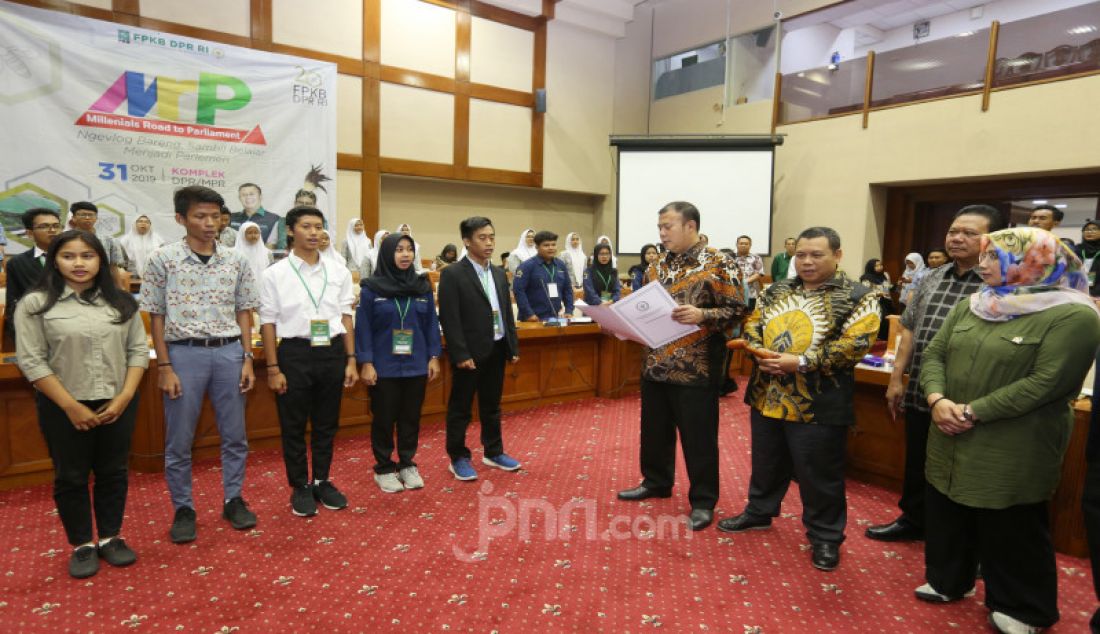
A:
[642,492]
[700,518]
[744,522]
[826,556]
[896,531]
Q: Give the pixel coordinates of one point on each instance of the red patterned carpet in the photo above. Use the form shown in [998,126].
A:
[421,560]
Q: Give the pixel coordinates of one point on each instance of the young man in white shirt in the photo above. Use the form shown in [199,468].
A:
[307,302]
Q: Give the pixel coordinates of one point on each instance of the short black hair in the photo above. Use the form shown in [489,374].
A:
[992,215]
[686,210]
[295,214]
[225,211]
[789,239]
[243,185]
[468,226]
[30,215]
[943,251]
[545,236]
[1054,211]
[821,232]
[305,192]
[745,237]
[83,205]
[186,197]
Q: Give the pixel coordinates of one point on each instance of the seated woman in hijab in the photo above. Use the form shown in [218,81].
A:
[250,243]
[446,257]
[914,266]
[357,247]
[138,243]
[1000,376]
[524,250]
[601,280]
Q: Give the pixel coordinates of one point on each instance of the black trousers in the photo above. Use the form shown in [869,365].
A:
[396,402]
[914,484]
[1013,546]
[815,454]
[102,450]
[693,411]
[1090,507]
[314,389]
[487,382]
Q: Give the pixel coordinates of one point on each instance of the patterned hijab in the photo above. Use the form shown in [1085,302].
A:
[1037,272]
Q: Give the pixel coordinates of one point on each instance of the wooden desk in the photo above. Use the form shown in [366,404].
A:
[556,364]
[876,454]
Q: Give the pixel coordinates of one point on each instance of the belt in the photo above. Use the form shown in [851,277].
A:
[332,341]
[212,342]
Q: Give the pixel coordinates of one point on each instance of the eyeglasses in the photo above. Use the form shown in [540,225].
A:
[50,227]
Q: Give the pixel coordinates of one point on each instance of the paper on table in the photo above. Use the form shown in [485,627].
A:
[644,316]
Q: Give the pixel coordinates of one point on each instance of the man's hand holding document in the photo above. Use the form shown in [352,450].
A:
[644,316]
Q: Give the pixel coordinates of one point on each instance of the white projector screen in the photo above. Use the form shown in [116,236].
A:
[731,187]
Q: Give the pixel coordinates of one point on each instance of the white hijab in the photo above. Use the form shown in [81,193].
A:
[379,236]
[575,256]
[138,247]
[331,253]
[416,245]
[257,254]
[614,260]
[359,245]
[522,251]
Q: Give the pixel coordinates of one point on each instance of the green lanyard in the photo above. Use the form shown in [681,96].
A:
[485,283]
[551,270]
[606,280]
[316,302]
[400,312]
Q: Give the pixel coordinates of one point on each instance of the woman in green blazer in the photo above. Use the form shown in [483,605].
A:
[1000,377]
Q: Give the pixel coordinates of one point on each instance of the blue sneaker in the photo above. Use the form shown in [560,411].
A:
[503,461]
[463,470]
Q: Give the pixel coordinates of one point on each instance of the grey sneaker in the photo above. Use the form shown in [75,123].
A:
[183,526]
[389,483]
[411,477]
[83,563]
[1006,624]
[236,511]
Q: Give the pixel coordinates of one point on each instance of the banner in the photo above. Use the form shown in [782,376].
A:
[122,117]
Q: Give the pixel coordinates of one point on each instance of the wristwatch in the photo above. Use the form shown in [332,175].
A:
[249,355]
[803,365]
[968,415]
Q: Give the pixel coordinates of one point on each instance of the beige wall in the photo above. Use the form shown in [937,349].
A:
[434,208]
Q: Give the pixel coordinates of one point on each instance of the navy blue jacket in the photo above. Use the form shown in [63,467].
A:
[591,296]
[529,284]
[376,319]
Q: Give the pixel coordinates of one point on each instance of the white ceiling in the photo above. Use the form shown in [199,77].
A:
[881,14]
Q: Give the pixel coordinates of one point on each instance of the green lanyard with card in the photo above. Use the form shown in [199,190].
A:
[402,339]
[552,286]
[318,328]
[498,322]
[606,294]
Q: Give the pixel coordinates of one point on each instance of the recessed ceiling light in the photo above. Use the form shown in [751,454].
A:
[965,34]
[1081,30]
[1038,202]
[1061,206]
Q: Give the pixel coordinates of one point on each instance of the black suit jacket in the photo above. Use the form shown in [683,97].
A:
[467,316]
[23,273]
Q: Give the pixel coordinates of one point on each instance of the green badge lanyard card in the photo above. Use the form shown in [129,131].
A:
[552,287]
[402,339]
[606,294]
[318,328]
[498,322]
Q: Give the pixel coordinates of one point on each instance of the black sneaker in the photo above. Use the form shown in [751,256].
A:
[236,511]
[183,526]
[301,501]
[329,496]
[83,563]
[117,553]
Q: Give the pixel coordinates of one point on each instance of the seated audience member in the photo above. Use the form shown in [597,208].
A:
[525,250]
[541,284]
[446,257]
[250,244]
[999,376]
[227,236]
[42,225]
[357,247]
[638,271]
[138,243]
[86,410]
[575,259]
[782,261]
[937,258]
[914,266]
[1089,248]
[601,280]
[398,344]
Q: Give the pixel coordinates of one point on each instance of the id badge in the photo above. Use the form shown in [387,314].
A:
[552,290]
[403,342]
[318,333]
[498,324]
[605,296]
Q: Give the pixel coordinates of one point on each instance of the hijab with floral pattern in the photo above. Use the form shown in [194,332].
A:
[1038,272]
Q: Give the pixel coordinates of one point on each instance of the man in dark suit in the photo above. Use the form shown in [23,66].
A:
[42,225]
[475,311]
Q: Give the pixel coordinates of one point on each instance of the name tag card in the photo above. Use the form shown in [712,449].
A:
[498,324]
[552,290]
[319,333]
[403,342]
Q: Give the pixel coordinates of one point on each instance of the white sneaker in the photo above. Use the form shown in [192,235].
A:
[1005,624]
[928,593]
[389,483]
[411,477]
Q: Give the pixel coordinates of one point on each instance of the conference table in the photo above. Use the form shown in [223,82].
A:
[556,364]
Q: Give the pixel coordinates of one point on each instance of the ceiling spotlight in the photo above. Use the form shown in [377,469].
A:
[1039,202]
[965,34]
[1082,30]
[1062,206]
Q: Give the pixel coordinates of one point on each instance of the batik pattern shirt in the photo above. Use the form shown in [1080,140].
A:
[700,277]
[832,326]
[750,265]
[199,301]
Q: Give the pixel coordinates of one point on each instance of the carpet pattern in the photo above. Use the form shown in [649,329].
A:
[546,548]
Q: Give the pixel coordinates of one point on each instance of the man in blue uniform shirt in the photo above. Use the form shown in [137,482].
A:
[541,283]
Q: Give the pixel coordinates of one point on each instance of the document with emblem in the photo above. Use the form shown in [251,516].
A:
[644,316]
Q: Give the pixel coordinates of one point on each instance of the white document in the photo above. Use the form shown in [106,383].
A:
[644,316]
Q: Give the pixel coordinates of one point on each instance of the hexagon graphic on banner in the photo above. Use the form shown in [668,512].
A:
[44,187]
[113,212]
